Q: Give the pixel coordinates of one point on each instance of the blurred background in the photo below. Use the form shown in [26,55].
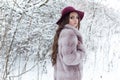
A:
[27,28]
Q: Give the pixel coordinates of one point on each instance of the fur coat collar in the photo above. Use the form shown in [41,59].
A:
[76,31]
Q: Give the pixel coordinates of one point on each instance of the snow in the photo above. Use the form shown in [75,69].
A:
[28,56]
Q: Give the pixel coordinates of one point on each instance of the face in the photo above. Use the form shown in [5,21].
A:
[73,19]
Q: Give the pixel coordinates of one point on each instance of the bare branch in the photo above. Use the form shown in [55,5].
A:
[44,3]
[25,71]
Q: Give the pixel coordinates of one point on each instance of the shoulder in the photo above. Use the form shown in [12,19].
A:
[67,32]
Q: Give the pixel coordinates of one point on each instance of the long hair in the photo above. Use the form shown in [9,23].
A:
[61,25]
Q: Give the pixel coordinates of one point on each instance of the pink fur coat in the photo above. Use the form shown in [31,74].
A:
[70,54]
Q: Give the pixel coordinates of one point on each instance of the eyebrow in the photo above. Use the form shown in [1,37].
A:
[74,16]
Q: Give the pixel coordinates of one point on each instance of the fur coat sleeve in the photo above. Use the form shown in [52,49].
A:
[70,49]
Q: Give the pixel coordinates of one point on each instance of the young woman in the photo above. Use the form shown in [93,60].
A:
[67,49]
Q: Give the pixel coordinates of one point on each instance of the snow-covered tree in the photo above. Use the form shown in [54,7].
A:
[27,28]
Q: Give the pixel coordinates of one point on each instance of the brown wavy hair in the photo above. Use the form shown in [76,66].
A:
[61,25]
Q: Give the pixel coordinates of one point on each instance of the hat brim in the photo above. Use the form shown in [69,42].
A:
[80,13]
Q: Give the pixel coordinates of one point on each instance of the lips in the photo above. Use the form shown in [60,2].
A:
[75,23]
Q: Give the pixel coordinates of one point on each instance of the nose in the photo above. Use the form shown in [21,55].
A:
[75,19]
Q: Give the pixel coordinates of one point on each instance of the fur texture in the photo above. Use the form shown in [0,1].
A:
[70,53]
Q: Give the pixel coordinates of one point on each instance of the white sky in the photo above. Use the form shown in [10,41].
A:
[112,4]
[115,4]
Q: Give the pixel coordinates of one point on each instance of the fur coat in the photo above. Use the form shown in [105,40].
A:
[70,53]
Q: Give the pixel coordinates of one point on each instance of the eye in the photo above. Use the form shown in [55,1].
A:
[71,17]
[77,17]
[74,17]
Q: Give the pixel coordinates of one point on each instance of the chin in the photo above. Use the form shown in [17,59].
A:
[75,26]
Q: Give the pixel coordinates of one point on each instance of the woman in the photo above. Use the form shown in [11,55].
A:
[67,49]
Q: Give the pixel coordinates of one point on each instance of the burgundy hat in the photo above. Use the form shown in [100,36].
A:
[68,10]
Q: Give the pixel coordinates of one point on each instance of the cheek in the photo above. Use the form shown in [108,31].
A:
[70,22]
